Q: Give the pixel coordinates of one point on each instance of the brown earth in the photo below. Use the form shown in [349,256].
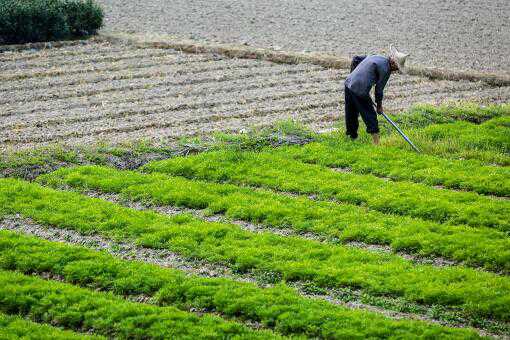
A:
[454,34]
[113,92]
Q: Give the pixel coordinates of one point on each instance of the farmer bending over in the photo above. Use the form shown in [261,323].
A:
[373,70]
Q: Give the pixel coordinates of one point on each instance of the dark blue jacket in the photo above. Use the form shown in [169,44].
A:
[373,70]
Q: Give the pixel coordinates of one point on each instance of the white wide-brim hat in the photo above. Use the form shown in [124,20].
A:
[399,58]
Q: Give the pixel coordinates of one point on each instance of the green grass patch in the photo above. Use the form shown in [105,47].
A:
[422,115]
[488,142]
[30,163]
[398,164]
[338,222]
[270,170]
[279,307]
[15,327]
[477,293]
[81,309]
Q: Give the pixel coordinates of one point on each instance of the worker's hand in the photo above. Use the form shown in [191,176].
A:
[379,108]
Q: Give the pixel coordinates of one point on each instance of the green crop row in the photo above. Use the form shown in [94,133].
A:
[397,164]
[344,222]
[15,327]
[270,170]
[422,115]
[488,142]
[491,135]
[81,309]
[475,292]
[279,307]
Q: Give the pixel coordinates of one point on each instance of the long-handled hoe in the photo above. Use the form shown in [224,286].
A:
[400,131]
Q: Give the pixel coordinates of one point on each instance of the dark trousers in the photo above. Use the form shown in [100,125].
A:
[354,106]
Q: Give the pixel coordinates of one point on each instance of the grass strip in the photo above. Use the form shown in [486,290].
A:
[15,327]
[277,307]
[270,170]
[422,115]
[491,135]
[488,142]
[292,259]
[81,309]
[484,247]
[397,164]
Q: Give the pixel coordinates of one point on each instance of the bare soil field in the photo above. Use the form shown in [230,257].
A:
[100,91]
[454,34]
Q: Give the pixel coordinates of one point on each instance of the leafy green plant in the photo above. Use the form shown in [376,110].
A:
[490,136]
[15,327]
[43,20]
[278,307]
[80,309]
[475,292]
[488,142]
[27,21]
[271,170]
[422,115]
[338,222]
[399,165]
[85,17]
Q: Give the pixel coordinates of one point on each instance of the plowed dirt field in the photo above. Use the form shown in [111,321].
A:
[98,91]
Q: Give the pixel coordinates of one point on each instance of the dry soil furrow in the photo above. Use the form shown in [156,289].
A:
[58,61]
[491,95]
[167,259]
[83,48]
[133,125]
[165,91]
[199,130]
[418,92]
[87,114]
[127,65]
[397,87]
[419,88]
[214,76]
[322,117]
[10,111]
[97,77]
[172,102]
[157,72]
[150,117]
[92,78]
[487,95]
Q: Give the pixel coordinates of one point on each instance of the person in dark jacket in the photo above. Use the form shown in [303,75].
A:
[375,71]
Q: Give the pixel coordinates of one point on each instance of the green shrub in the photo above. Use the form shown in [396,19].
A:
[83,17]
[24,21]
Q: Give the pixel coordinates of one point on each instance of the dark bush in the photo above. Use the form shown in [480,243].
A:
[83,17]
[24,21]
